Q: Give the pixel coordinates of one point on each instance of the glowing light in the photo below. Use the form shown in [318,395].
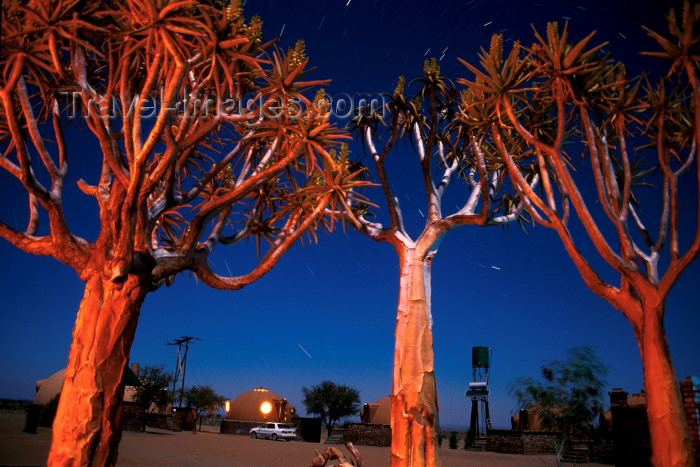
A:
[228,406]
[265,408]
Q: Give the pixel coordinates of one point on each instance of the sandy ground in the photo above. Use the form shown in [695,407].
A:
[164,448]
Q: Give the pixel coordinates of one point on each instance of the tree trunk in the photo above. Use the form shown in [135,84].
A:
[670,439]
[87,428]
[559,449]
[414,406]
[144,414]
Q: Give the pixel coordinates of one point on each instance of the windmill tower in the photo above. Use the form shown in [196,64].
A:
[480,420]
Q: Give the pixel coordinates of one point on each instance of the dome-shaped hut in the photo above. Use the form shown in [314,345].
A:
[259,405]
[378,412]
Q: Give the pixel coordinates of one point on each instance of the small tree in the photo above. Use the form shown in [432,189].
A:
[331,402]
[642,140]
[568,398]
[453,440]
[153,390]
[202,399]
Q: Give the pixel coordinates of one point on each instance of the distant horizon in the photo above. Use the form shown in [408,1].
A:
[353,419]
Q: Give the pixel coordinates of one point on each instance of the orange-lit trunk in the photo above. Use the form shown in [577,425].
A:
[87,428]
[414,406]
[670,439]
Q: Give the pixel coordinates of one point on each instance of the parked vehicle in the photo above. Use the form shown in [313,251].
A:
[274,431]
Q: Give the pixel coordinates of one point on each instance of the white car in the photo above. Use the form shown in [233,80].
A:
[274,431]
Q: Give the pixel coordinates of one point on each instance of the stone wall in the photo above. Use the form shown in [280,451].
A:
[368,434]
[690,392]
[237,427]
[599,449]
[630,429]
[519,442]
[159,420]
[131,417]
[185,418]
[506,441]
[631,436]
[537,442]
[602,449]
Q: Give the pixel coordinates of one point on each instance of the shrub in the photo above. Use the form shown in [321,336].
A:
[453,440]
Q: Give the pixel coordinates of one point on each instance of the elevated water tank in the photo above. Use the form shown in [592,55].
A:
[480,356]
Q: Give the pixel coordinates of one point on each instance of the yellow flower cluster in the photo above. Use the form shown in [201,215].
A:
[255,33]
[496,50]
[431,69]
[234,11]
[398,90]
[298,54]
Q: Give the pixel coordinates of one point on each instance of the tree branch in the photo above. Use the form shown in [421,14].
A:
[212,279]
[392,201]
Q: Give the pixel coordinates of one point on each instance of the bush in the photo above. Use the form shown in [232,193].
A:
[453,440]
[469,438]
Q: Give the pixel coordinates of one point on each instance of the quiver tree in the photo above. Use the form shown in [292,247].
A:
[207,137]
[445,155]
[640,139]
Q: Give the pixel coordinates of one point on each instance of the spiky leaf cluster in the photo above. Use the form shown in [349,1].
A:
[527,94]
[230,142]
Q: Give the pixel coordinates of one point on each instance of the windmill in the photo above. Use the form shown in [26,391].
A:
[480,420]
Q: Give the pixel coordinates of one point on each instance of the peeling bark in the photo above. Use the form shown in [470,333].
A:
[670,440]
[88,427]
[414,405]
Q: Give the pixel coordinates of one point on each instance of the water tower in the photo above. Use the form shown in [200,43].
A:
[480,420]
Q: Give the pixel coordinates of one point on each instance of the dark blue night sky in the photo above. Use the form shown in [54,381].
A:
[327,311]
